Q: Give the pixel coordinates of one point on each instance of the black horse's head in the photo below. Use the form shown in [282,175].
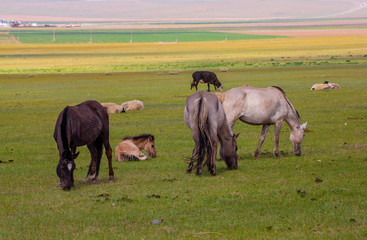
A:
[65,170]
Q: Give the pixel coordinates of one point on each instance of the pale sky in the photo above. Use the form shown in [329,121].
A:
[196,10]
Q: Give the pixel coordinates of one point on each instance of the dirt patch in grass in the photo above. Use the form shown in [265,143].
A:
[5,37]
[308,32]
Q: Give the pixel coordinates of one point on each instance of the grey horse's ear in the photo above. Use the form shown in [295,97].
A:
[236,136]
[303,126]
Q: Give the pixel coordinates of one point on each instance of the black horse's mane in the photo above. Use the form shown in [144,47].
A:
[141,136]
[299,117]
[63,129]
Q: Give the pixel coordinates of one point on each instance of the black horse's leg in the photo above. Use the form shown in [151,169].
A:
[196,84]
[192,84]
[93,164]
[98,144]
[108,149]
[208,87]
[73,150]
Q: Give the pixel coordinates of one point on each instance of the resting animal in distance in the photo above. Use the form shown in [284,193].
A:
[112,107]
[132,105]
[130,148]
[325,85]
[205,77]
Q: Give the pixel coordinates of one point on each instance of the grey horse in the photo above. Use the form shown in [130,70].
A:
[205,116]
[264,106]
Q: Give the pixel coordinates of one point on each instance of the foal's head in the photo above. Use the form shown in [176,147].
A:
[296,138]
[150,146]
[65,169]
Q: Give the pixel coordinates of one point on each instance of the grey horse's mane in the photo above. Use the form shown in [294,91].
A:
[141,136]
[289,103]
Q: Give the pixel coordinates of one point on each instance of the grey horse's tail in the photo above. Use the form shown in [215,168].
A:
[201,127]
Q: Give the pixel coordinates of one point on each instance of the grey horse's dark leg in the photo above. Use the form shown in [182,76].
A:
[212,158]
[192,160]
[199,165]
[277,127]
[264,131]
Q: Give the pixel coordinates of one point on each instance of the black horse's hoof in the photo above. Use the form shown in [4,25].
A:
[111,179]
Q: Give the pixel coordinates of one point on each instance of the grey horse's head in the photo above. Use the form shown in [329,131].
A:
[296,138]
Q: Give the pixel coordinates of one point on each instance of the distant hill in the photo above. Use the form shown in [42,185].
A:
[179,10]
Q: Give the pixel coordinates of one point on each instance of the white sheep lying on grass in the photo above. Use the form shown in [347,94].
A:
[132,105]
[325,85]
[112,107]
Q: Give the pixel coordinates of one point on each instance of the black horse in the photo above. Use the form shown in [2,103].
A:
[205,77]
[83,124]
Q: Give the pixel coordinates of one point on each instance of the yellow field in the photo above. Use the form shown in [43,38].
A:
[111,57]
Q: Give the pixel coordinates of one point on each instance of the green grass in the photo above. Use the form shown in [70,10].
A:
[183,56]
[264,199]
[124,36]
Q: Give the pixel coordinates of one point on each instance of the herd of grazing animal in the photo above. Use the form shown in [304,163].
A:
[132,105]
[210,117]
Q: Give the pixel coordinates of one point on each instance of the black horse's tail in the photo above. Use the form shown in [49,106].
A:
[201,128]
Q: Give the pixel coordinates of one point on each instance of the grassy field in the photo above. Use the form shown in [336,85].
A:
[136,57]
[264,199]
[124,36]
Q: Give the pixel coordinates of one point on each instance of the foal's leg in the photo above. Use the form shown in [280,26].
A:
[277,127]
[264,131]
[141,156]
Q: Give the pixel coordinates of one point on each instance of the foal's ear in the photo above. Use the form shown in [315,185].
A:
[75,155]
[236,136]
[151,138]
[303,126]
